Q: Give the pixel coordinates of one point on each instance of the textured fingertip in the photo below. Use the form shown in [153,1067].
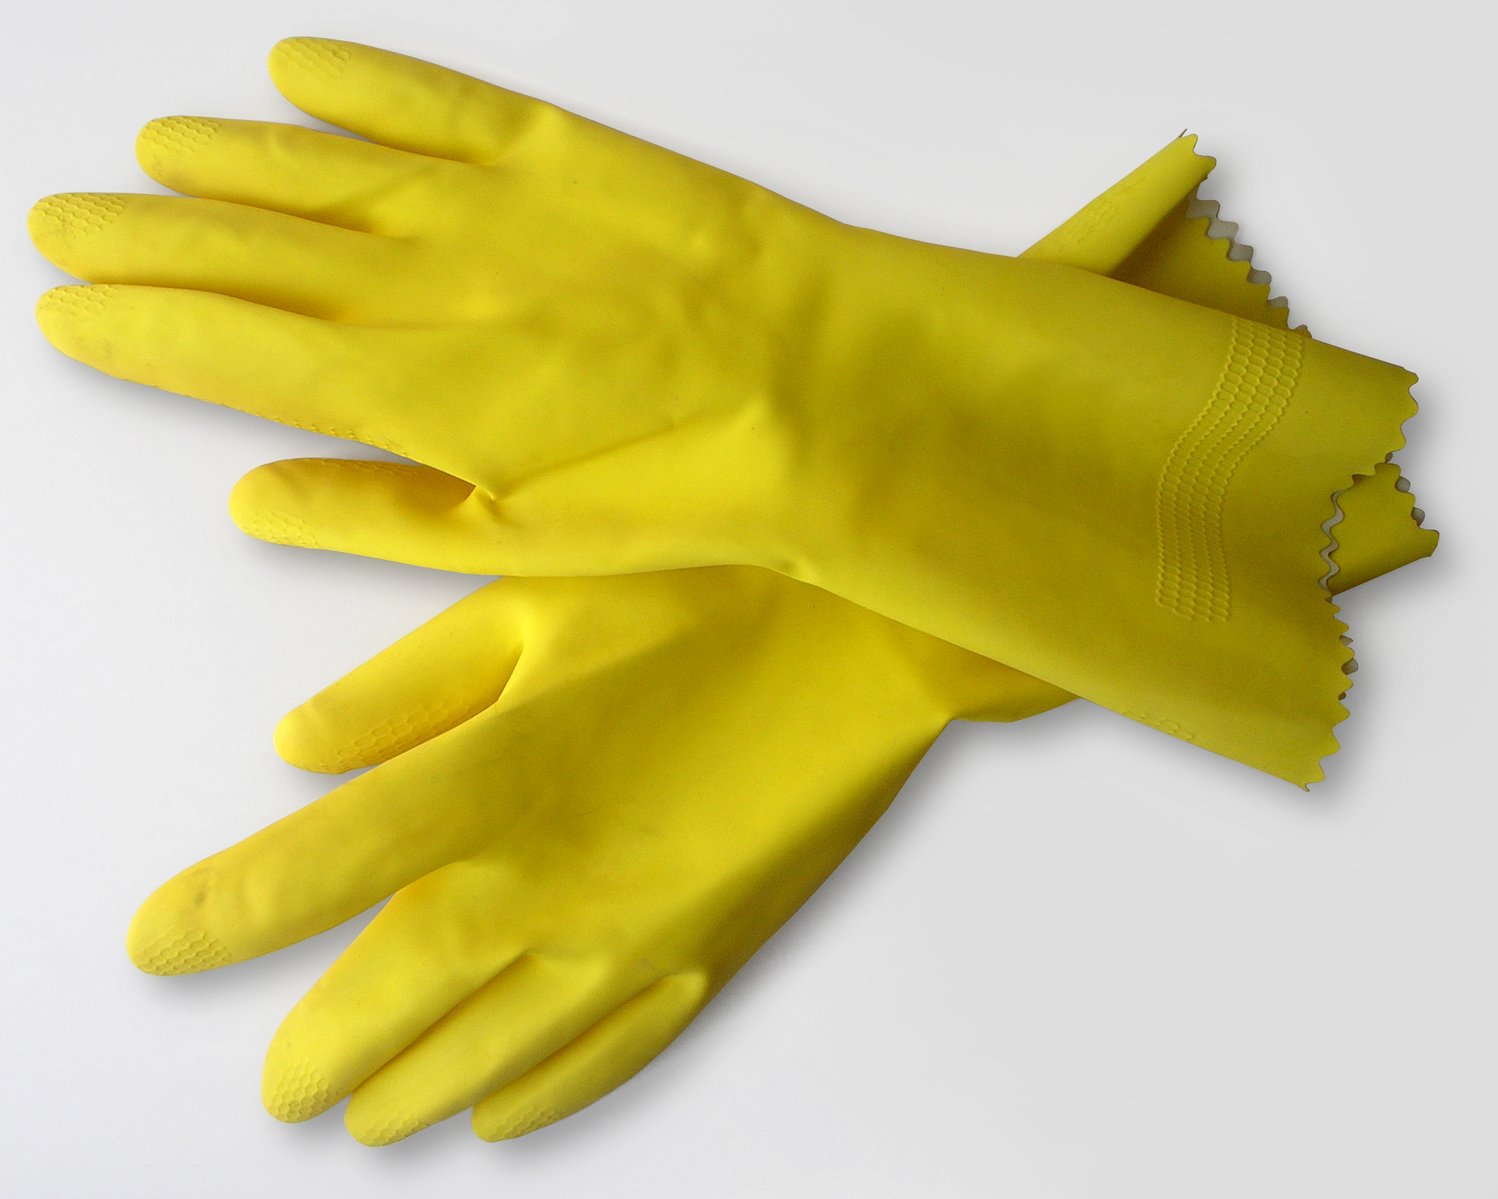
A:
[296,746]
[307,739]
[56,223]
[307,58]
[66,314]
[292,1088]
[384,1129]
[83,321]
[254,505]
[171,139]
[518,1122]
[166,936]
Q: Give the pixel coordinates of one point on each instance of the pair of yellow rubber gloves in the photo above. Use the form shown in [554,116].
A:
[782,495]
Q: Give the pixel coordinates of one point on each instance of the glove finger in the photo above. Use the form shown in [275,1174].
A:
[395,511]
[415,962]
[430,681]
[606,1056]
[404,102]
[509,1025]
[321,865]
[322,176]
[208,245]
[339,379]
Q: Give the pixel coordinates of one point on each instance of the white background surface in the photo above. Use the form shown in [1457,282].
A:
[1077,959]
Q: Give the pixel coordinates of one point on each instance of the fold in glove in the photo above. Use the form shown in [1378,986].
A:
[637,362]
[600,796]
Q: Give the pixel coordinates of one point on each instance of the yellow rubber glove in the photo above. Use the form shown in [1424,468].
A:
[638,783]
[638,362]
[615,789]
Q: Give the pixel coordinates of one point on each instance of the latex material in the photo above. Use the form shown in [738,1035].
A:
[997,451]
[647,783]
[601,795]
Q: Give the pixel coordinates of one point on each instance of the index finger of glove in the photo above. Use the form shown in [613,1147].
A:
[321,865]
